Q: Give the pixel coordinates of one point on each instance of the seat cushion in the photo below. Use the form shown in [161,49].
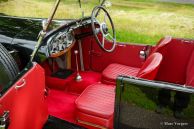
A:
[97,100]
[96,105]
[111,72]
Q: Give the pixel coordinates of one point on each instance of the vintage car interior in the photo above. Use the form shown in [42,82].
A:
[73,76]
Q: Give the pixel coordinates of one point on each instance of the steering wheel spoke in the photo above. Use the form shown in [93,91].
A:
[105,17]
[103,38]
[104,29]
[110,36]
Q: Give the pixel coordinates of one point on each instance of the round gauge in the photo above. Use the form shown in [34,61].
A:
[60,43]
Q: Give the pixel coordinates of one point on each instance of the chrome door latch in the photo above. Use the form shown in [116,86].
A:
[4,120]
[143,54]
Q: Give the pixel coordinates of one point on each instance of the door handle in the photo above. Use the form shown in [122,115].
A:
[22,84]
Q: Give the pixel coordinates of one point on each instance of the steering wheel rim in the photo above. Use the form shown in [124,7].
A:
[103,29]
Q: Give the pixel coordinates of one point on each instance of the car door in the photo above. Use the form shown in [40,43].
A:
[140,105]
[25,100]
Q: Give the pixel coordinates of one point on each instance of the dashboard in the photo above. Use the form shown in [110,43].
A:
[60,43]
[64,38]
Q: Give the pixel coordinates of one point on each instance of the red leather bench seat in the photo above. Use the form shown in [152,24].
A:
[95,106]
[147,71]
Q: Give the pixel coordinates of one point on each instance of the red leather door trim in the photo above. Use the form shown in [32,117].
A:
[25,101]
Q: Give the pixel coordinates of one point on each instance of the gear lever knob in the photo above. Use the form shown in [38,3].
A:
[78,77]
[76,52]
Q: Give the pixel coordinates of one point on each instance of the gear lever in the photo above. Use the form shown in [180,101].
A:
[78,77]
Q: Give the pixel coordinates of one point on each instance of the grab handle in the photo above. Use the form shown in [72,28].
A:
[23,83]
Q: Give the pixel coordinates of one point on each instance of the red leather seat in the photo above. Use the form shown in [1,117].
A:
[162,43]
[147,71]
[111,72]
[95,106]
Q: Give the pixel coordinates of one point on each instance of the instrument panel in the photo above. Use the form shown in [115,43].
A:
[60,43]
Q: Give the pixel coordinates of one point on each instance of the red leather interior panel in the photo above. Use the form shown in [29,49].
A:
[27,105]
[126,54]
[86,49]
[150,67]
[190,71]
[97,101]
[110,73]
[97,60]
[175,60]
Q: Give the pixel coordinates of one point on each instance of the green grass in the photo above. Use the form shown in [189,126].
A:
[136,21]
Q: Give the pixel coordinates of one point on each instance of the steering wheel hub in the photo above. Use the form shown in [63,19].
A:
[104,28]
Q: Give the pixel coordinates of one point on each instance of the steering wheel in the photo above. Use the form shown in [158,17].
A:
[103,28]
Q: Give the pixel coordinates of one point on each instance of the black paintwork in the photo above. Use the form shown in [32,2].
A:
[22,31]
[127,81]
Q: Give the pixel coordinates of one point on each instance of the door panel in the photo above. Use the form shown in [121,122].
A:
[126,54]
[25,101]
[142,104]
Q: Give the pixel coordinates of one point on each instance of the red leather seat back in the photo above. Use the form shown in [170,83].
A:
[176,55]
[190,71]
[162,43]
[150,67]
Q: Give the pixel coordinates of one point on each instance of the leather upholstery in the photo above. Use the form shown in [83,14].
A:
[111,72]
[147,71]
[150,67]
[190,71]
[176,56]
[96,105]
[162,43]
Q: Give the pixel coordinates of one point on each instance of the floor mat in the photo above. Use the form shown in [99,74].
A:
[88,78]
[70,85]
[62,105]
